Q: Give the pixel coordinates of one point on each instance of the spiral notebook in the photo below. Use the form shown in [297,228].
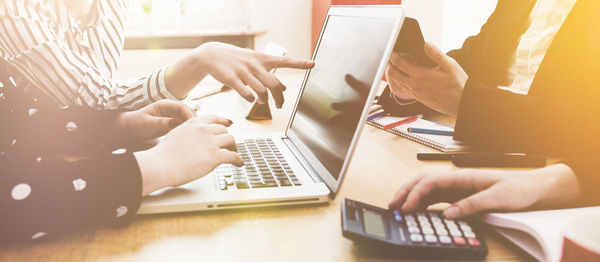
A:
[441,143]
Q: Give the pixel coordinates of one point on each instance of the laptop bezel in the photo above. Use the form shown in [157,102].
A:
[380,11]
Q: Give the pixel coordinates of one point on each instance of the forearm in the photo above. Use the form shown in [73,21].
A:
[185,74]
[559,187]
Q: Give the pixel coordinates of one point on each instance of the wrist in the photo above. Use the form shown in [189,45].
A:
[185,74]
[559,186]
[150,169]
[123,127]
[402,101]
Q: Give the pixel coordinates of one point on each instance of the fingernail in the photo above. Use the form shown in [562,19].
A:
[451,212]
[428,47]
[173,123]
[230,121]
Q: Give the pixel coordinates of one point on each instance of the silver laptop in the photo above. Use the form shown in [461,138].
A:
[306,164]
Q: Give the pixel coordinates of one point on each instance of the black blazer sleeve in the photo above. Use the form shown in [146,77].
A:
[489,55]
[501,120]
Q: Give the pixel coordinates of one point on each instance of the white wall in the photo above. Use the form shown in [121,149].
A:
[463,18]
[287,22]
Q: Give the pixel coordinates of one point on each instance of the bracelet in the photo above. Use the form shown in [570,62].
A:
[402,102]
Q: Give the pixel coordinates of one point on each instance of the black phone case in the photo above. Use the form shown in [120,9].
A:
[410,41]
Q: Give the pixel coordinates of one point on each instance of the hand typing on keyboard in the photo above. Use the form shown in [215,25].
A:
[264,166]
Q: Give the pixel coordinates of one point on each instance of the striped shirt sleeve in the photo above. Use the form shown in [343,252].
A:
[35,40]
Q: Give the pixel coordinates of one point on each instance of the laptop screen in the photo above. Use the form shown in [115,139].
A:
[330,107]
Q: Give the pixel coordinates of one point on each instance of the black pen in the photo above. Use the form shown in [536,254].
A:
[487,159]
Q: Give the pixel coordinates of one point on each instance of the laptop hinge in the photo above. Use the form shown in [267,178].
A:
[309,169]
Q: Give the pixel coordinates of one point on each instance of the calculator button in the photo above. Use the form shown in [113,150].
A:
[414,230]
[425,224]
[465,228]
[474,242]
[436,220]
[409,218]
[445,240]
[441,232]
[411,223]
[455,232]
[438,226]
[434,214]
[459,241]
[397,212]
[398,218]
[427,230]
[469,234]
[416,238]
[430,239]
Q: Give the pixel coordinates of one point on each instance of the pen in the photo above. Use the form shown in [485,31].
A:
[402,122]
[375,108]
[434,156]
[487,159]
[431,131]
[376,116]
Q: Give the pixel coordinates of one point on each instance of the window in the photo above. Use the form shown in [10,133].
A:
[189,16]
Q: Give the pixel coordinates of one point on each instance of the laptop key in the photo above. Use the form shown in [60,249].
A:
[285,183]
[242,185]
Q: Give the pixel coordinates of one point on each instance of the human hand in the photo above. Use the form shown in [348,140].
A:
[245,70]
[187,153]
[473,191]
[153,120]
[439,88]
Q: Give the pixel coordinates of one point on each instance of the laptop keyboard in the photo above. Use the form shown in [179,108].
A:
[264,166]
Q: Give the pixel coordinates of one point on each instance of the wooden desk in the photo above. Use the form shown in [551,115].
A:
[382,162]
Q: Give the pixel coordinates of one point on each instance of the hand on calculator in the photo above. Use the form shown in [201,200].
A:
[423,234]
[473,191]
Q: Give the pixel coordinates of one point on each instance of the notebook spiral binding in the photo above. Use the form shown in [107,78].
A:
[418,139]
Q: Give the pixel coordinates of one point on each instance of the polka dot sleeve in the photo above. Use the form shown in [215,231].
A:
[61,168]
[52,196]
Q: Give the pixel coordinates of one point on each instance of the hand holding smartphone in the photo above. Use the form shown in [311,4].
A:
[410,41]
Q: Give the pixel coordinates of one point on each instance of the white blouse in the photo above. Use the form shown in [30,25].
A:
[74,64]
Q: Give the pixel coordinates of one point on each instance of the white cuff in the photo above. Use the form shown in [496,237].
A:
[157,87]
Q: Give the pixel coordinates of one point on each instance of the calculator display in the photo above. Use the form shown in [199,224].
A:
[373,222]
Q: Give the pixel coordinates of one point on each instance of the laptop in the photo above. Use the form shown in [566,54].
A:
[305,164]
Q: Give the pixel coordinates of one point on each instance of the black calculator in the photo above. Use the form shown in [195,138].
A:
[424,234]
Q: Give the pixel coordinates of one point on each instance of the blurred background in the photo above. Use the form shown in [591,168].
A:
[176,25]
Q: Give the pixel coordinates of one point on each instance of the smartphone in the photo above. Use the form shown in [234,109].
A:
[410,41]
